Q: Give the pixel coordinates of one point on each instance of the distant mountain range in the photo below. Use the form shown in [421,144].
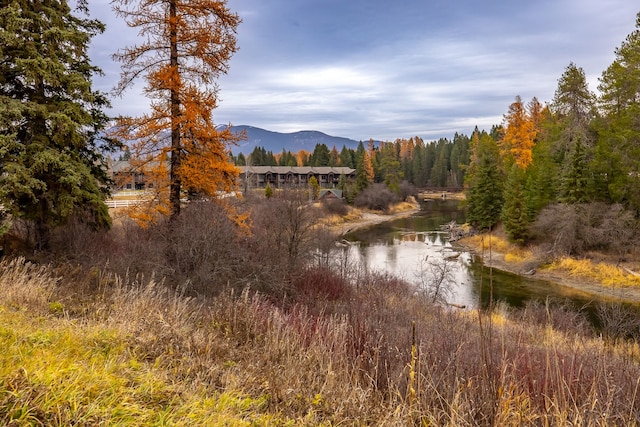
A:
[296,141]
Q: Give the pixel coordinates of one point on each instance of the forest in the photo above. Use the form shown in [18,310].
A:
[575,158]
[201,306]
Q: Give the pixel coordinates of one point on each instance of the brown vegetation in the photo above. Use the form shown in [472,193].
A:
[340,353]
[205,324]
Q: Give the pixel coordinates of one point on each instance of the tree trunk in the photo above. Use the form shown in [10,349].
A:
[176,145]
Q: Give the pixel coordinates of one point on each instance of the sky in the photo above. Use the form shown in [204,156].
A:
[391,69]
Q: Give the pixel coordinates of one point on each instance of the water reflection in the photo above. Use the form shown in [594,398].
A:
[406,247]
[410,247]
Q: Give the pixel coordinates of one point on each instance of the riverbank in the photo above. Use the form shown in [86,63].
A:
[597,278]
[358,219]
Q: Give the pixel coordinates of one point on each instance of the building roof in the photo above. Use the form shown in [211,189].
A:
[326,192]
[301,170]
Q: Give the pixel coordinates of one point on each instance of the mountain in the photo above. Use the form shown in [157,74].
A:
[296,141]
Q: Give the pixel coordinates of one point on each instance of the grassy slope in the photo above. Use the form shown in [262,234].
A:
[107,352]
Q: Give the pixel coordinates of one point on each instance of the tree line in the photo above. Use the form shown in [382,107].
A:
[440,163]
[569,169]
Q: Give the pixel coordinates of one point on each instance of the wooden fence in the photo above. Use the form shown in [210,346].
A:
[113,204]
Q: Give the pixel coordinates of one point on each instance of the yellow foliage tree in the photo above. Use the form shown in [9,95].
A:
[520,132]
[185,46]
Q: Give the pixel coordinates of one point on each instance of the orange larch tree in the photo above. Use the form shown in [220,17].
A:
[519,134]
[185,45]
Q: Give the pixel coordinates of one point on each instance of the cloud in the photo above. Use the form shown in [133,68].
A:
[386,70]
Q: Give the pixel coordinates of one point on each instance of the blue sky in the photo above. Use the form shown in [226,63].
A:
[392,69]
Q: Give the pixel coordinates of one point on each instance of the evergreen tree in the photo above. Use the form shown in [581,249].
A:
[573,108]
[390,167]
[241,160]
[485,183]
[514,215]
[347,157]
[429,159]
[574,178]
[417,167]
[320,156]
[459,158]
[364,171]
[618,152]
[342,183]
[542,183]
[51,162]
[440,170]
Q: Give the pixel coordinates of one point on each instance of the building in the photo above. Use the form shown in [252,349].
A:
[127,177]
[293,176]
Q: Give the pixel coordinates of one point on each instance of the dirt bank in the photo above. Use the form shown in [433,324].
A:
[369,218]
[590,287]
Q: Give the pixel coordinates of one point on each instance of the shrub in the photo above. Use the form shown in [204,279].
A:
[335,207]
[407,190]
[320,284]
[576,229]
[376,197]
[284,235]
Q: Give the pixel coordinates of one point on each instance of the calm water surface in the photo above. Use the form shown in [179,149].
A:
[408,248]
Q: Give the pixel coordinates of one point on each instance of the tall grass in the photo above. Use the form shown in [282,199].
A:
[133,351]
[607,274]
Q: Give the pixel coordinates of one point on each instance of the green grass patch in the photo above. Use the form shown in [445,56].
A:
[55,372]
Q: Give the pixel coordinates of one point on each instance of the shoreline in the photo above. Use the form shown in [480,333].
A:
[369,219]
[497,261]
[588,287]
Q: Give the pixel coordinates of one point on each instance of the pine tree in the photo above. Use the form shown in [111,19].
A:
[574,179]
[618,153]
[342,183]
[568,120]
[186,46]
[320,156]
[346,157]
[390,167]
[51,161]
[364,171]
[485,183]
[440,170]
[514,215]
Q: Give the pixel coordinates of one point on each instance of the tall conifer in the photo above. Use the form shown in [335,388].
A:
[51,156]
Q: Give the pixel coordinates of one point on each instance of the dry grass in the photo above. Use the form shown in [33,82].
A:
[403,207]
[497,244]
[600,272]
[131,351]
[353,214]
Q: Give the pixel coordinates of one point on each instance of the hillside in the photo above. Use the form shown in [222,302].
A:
[295,141]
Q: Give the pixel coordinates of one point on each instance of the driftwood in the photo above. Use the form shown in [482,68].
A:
[450,304]
[456,232]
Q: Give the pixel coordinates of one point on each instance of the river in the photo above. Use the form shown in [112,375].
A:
[416,250]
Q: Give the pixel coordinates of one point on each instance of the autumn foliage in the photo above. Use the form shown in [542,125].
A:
[185,46]
[520,130]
